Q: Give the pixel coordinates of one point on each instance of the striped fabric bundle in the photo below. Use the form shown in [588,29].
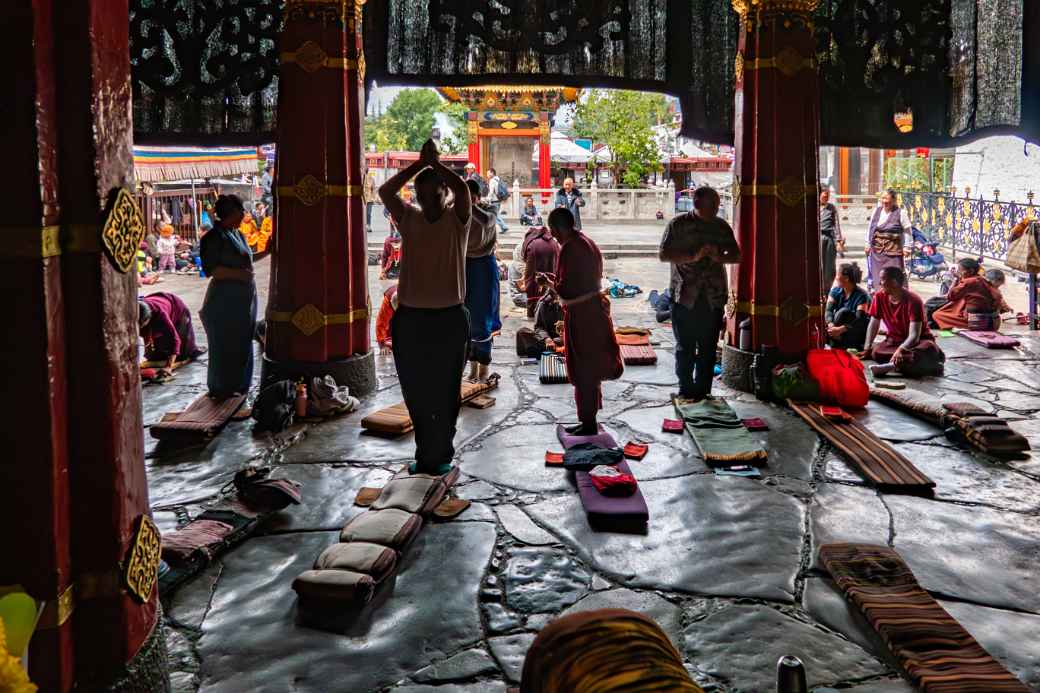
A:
[877,461]
[936,652]
[638,354]
[606,651]
[204,418]
[552,369]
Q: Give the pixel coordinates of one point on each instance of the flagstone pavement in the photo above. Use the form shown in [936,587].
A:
[728,566]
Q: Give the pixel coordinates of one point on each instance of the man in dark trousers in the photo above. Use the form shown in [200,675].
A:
[697,244]
[430,329]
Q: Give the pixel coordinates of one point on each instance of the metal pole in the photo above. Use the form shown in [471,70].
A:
[194,209]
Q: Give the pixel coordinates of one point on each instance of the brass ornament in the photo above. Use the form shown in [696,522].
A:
[738,67]
[790,191]
[309,190]
[790,310]
[123,231]
[310,56]
[309,319]
[142,565]
[736,191]
[326,11]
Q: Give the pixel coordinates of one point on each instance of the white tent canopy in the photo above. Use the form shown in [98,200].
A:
[565,151]
[1007,164]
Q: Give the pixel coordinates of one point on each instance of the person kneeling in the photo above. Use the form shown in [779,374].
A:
[909,347]
[545,336]
[164,321]
[846,309]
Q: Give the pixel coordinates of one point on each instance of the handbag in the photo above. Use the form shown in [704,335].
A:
[1023,254]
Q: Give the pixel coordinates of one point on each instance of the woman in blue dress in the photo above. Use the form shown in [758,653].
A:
[229,309]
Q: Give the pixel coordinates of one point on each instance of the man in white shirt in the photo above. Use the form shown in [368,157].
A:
[495,197]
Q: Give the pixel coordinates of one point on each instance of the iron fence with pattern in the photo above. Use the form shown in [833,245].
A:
[976,227]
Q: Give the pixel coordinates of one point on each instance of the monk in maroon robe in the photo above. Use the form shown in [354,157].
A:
[592,351]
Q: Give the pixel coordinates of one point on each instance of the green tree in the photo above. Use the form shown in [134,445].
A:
[457,141]
[406,123]
[623,120]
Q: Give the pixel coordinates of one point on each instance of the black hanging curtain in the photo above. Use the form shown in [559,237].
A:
[206,71]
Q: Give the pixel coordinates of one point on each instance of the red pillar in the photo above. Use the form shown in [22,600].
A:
[35,461]
[544,152]
[318,309]
[473,137]
[778,282]
[109,492]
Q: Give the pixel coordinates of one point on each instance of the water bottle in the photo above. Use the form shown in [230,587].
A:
[790,675]
[301,399]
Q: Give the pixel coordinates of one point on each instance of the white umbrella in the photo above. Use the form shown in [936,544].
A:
[563,150]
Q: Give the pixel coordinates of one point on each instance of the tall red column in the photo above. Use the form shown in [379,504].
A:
[74,443]
[778,283]
[318,311]
[544,152]
[35,461]
[118,638]
[473,137]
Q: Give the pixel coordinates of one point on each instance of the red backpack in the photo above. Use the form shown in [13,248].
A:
[841,377]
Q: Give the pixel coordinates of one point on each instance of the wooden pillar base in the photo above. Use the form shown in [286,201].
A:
[357,372]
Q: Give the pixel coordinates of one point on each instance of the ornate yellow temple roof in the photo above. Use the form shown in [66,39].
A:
[508,98]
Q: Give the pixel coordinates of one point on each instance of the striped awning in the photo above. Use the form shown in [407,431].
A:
[155,164]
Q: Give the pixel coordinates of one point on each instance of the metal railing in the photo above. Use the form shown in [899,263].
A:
[601,204]
[974,226]
[179,207]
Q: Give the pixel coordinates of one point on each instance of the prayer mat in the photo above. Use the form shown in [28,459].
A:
[191,548]
[638,355]
[875,460]
[391,527]
[552,369]
[396,421]
[601,439]
[935,651]
[203,418]
[719,433]
[990,340]
[607,513]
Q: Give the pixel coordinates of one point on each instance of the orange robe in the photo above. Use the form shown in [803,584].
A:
[971,295]
[591,346]
[386,314]
[266,229]
[249,230]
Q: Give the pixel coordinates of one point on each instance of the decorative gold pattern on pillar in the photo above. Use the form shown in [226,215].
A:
[123,231]
[142,565]
[318,10]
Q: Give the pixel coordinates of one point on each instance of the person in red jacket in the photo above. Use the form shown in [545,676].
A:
[386,314]
[592,350]
[970,295]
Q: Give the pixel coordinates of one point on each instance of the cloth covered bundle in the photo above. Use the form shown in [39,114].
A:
[585,456]
[840,377]
[990,339]
[611,482]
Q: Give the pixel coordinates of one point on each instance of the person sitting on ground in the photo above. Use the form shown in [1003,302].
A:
[846,310]
[997,280]
[545,336]
[972,302]
[540,253]
[592,349]
[529,215]
[909,347]
[430,330]
[516,282]
[385,317]
[165,326]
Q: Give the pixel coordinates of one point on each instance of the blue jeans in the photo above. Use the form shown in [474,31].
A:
[696,343]
[495,209]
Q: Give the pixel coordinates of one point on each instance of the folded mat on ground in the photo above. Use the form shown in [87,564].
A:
[346,575]
[875,460]
[638,355]
[632,336]
[203,418]
[983,431]
[624,513]
[552,369]
[395,420]
[935,651]
[719,433]
[990,340]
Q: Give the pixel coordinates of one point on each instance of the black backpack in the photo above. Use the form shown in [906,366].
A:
[502,191]
[274,406]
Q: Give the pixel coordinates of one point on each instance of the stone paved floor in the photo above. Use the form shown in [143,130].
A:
[727,567]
